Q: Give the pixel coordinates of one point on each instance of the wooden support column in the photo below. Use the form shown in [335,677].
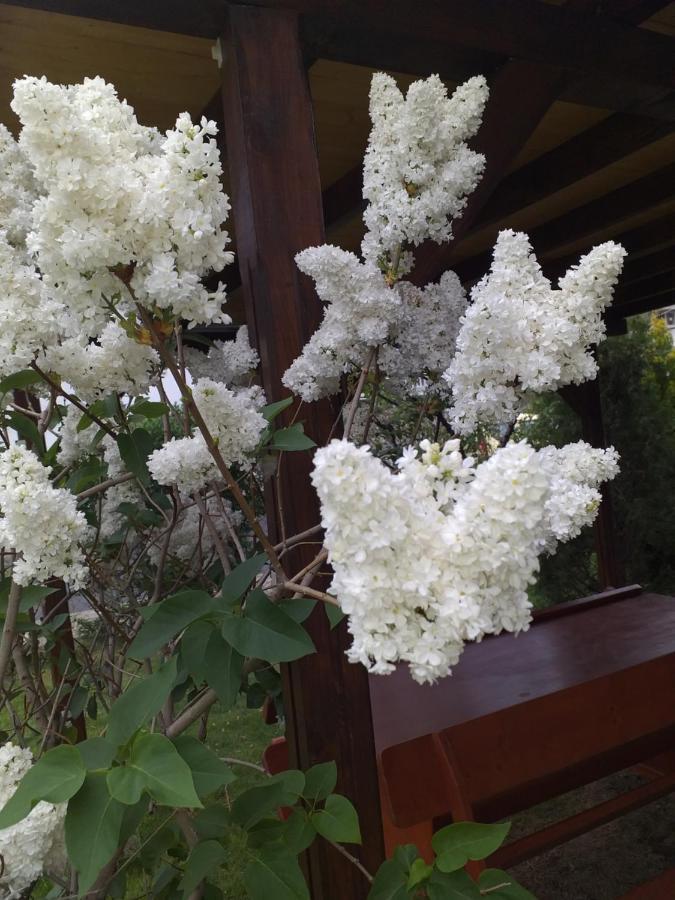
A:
[585,401]
[276,197]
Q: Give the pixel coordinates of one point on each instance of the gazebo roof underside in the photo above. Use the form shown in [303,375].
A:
[579,136]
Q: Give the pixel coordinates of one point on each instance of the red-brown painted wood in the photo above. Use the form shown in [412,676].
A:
[517,736]
[276,196]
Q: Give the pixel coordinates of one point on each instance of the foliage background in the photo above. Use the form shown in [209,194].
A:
[637,384]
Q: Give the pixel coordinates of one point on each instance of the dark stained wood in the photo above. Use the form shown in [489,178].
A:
[646,267]
[510,740]
[643,295]
[203,19]
[640,242]
[276,197]
[595,148]
[584,222]
[525,29]
[581,823]
[572,607]
[519,96]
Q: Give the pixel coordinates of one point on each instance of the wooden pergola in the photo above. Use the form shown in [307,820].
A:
[579,137]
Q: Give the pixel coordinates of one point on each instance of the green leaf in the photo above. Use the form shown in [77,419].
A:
[298,608]
[97,753]
[298,832]
[334,613]
[171,617]
[203,859]
[272,410]
[266,632]
[293,438]
[337,821]
[389,882]
[32,595]
[456,844]
[419,871]
[139,702]
[155,766]
[209,772]
[107,407]
[24,427]
[223,668]
[452,886]
[212,821]
[150,409]
[56,777]
[275,874]
[19,381]
[491,878]
[193,646]
[134,449]
[238,581]
[93,823]
[257,802]
[320,781]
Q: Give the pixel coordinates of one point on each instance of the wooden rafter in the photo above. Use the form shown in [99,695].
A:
[583,222]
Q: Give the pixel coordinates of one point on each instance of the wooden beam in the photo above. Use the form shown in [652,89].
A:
[648,266]
[644,296]
[595,148]
[640,243]
[519,96]
[276,196]
[524,29]
[203,19]
[583,222]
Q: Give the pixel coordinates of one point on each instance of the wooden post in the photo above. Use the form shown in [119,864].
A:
[276,197]
[585,401]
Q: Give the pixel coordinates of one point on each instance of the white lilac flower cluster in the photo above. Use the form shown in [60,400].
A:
[29,316]
[117,195]
[576,472]
[34,845]
[73,444]
[415,329]
[360,311]
[18,191]
[226,361]
[443,551]
[235,422]
[113,363]
[519,334]
[422,344]
[418,169]
[417,173]
[41,522]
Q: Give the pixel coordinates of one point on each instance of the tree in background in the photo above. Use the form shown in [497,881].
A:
[637,383]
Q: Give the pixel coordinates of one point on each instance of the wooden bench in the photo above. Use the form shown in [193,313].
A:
[587,691]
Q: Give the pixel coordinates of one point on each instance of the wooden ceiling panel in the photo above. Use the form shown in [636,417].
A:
[159,73]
